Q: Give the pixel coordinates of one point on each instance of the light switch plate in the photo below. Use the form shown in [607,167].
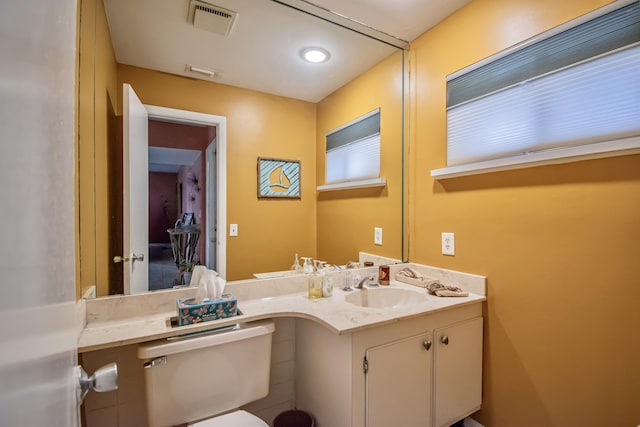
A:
[377,235]
[448,244]
[233,230]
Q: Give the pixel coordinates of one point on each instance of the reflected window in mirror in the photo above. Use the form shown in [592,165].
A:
[353,150]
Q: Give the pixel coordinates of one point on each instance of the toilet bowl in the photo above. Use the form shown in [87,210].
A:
[194,379]
[233,419]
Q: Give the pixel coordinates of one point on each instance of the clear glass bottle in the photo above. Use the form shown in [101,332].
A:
[296,265]
[307,268]
[315,282]
[327,281]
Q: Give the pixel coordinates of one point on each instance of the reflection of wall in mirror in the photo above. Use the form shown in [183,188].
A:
[97,135]
[163,205]
[191,194]
[258,124]
[346,219]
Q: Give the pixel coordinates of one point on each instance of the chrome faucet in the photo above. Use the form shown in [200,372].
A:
[362,281]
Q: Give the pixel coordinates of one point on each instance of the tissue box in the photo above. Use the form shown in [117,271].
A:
[189,312]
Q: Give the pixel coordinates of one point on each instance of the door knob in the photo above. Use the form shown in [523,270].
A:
[118,259]
[427,345]
[103,379]
[444,340]
[135,257]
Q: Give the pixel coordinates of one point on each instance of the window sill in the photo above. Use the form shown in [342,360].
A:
[363,183]
[549,157]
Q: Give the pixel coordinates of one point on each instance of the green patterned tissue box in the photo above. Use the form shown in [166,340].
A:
[189,312]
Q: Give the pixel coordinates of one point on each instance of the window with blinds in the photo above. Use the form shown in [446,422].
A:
[353,150]
[569,93]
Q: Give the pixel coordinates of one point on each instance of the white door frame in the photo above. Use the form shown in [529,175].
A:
[212,231]
[220,122]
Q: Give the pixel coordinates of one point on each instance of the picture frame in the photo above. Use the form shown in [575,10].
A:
[279,178]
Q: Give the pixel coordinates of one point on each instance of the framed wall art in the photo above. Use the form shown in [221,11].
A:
[278,178]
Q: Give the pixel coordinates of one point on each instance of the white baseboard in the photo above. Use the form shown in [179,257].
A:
[470,422]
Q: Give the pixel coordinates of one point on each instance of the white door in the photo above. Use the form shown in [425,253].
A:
[135,198]
[38,334]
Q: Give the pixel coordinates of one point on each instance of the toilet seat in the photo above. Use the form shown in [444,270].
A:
[233,419]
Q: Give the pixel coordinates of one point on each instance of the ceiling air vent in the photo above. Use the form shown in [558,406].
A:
[211,18]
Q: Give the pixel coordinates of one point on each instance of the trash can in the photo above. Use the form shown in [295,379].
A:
[293,418]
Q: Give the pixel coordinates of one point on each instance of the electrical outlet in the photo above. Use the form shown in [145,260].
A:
[377,235]
[233,230]
[448,244]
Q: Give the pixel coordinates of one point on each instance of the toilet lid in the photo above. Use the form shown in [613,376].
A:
[233,419]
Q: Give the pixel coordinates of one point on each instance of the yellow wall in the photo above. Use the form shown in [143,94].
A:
[106,96]
[559,244]
[346,218]
[96,86]
[85,149]
[258,124]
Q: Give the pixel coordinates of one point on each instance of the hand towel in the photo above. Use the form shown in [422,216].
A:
[441,290]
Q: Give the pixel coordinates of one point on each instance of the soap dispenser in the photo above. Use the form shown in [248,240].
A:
[296,265]
[327,281]
[307,268]
[315,282]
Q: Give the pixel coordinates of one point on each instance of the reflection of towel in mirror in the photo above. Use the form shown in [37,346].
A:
[441,290]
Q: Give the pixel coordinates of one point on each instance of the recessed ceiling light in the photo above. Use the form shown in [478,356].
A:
[315,54]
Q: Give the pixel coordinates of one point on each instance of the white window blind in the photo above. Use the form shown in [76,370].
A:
[353,151]
[579,87]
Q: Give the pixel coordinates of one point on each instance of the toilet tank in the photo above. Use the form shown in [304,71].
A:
[191,378]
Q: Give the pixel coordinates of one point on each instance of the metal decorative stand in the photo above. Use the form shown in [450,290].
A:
[184,241]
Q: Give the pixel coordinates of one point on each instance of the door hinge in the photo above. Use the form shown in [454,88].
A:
[365,365]
[162,360]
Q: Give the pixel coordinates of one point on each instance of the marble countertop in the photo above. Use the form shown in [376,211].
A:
[334,312]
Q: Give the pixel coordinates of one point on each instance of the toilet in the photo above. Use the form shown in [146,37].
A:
[194,379]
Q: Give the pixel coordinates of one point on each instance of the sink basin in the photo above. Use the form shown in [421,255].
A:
[386,297]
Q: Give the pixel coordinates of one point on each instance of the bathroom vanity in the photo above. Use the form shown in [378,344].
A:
[391,355]
[424,371]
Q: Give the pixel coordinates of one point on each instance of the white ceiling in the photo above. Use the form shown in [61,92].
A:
[169,160]
[262,50]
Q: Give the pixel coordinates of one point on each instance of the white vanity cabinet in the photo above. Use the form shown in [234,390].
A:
[398,382]
[457,373]
[422,371]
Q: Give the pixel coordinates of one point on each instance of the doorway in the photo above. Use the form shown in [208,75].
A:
[175,189]
[210,181]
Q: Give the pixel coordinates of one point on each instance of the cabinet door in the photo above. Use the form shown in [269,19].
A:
[398,383]
[457,371]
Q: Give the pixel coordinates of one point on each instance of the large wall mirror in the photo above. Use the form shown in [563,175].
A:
[249,70]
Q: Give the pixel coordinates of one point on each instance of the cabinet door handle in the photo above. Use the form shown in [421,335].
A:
[444,340]
[427,345]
